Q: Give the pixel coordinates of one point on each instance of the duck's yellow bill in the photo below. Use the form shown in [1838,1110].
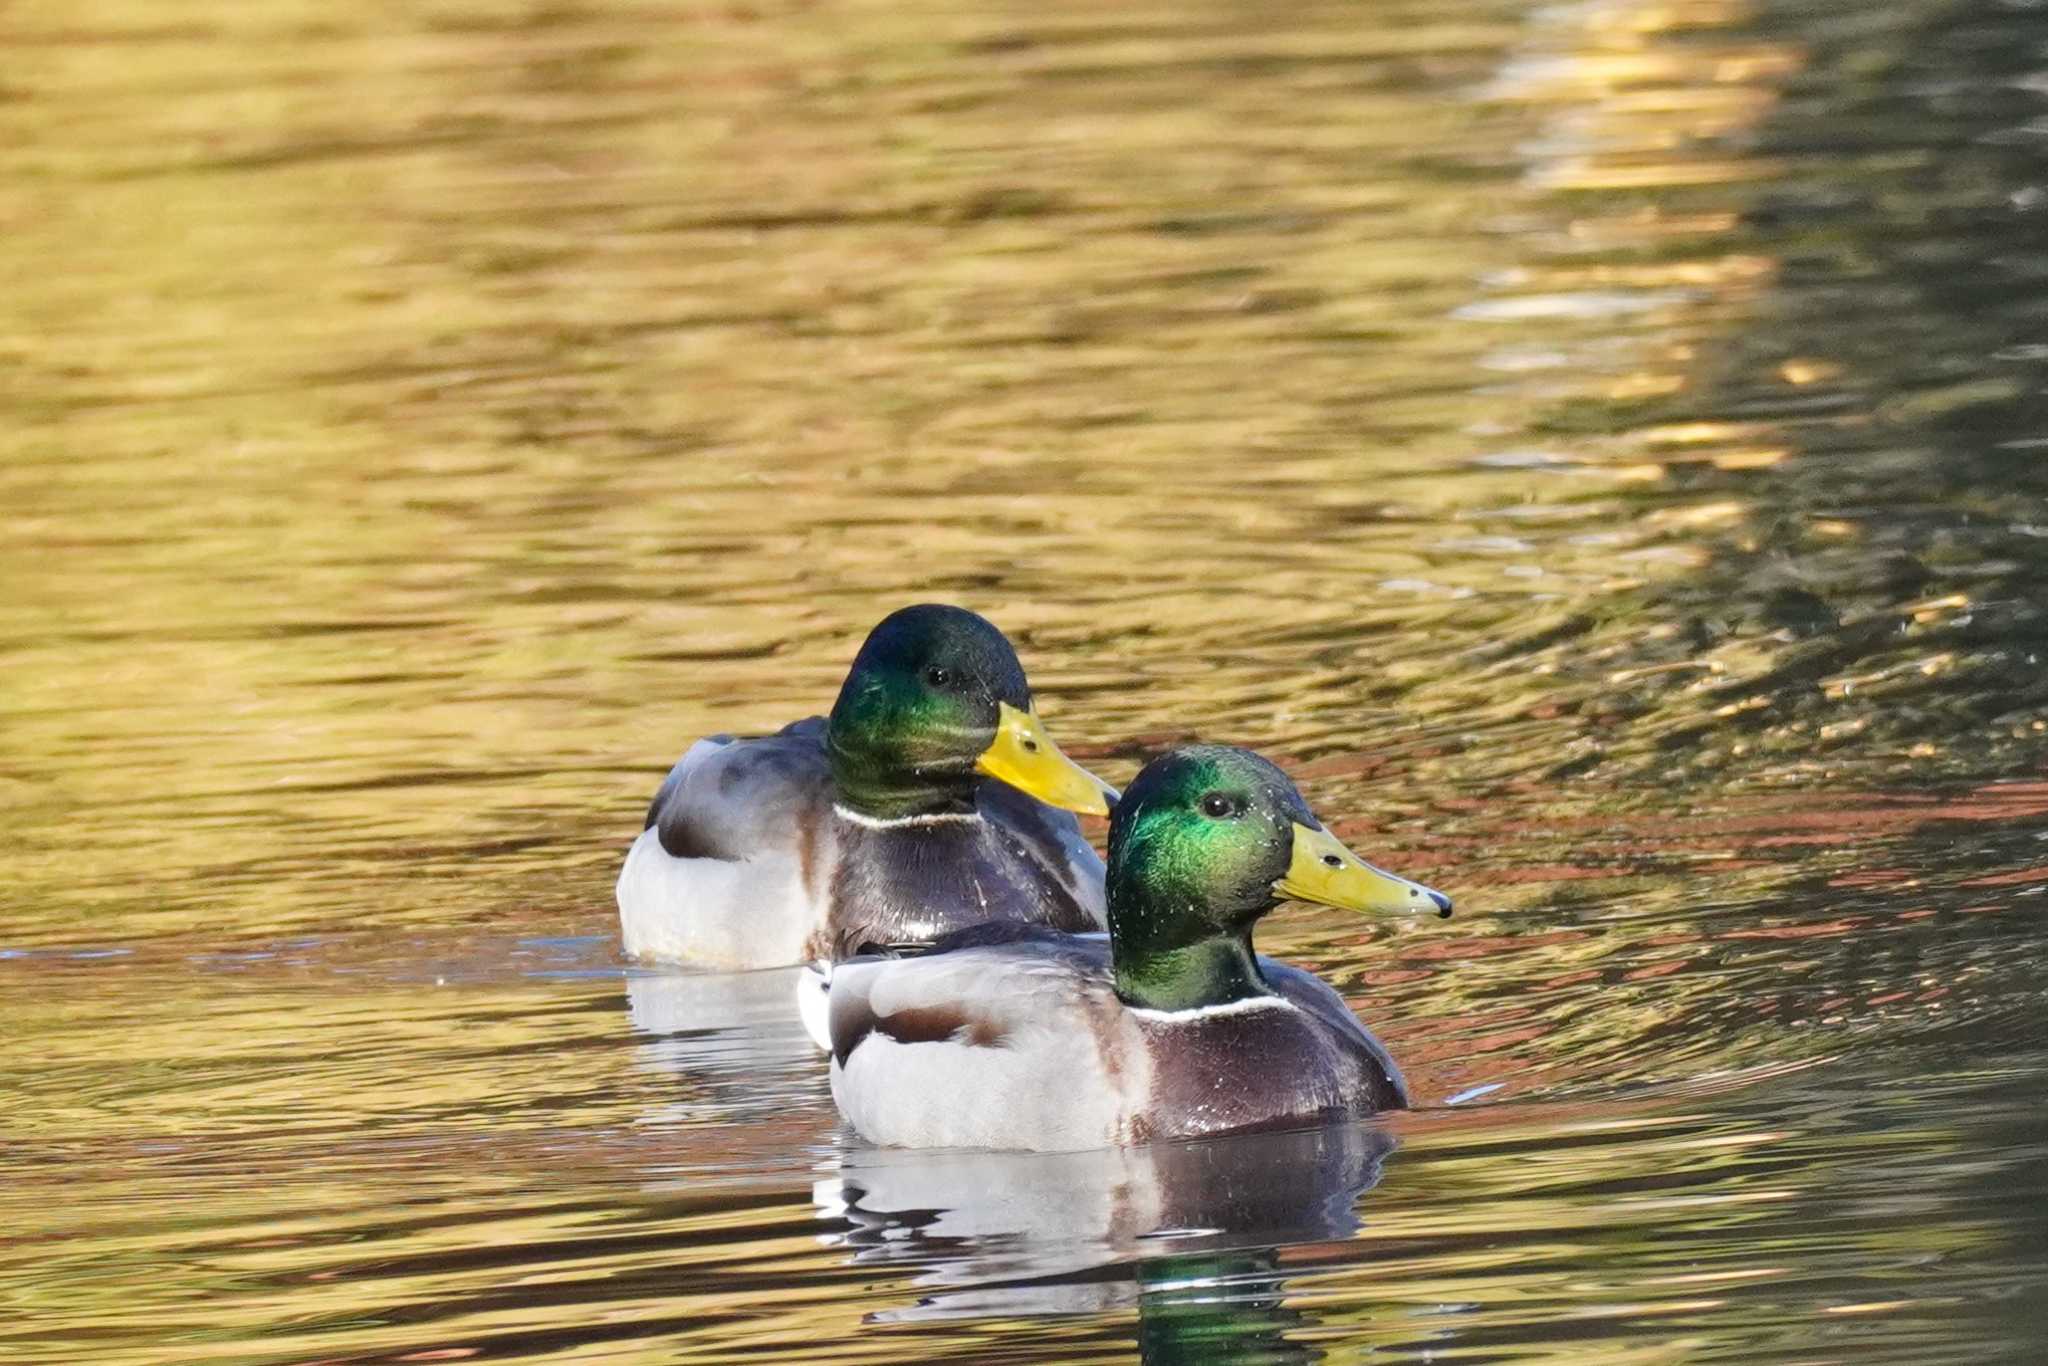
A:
[1325,872]
[1025,757]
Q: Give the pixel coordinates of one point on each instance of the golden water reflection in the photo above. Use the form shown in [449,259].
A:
[419,421]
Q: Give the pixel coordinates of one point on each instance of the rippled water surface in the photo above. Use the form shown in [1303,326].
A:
[1598,447]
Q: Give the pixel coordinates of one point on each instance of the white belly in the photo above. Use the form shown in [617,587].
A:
[713,912]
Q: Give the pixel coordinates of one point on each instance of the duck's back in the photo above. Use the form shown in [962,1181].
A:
[730,867]
[1001,1043]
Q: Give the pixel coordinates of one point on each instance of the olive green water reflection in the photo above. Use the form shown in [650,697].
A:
[1596,446]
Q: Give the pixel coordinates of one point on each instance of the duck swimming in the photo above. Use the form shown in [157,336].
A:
[925,802]
[1019,1036]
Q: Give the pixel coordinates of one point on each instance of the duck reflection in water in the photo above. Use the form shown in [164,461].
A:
[722,1046]
[1188,1233]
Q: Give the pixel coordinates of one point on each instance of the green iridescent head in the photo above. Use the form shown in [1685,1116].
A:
[935,701]
[1205,841]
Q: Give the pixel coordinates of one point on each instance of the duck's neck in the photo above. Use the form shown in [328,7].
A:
[1206,972]
[870,785]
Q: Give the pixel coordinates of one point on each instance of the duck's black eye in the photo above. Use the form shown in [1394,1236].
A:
[1216,806]
[938,676]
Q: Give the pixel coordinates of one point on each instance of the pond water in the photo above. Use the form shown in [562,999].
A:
[1598,447]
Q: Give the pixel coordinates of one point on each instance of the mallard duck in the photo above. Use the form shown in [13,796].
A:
[923,803]
[1019,1036]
